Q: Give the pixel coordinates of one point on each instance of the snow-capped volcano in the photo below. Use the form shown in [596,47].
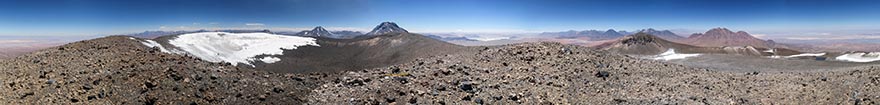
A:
[316,32]
[233,48]
[385,28]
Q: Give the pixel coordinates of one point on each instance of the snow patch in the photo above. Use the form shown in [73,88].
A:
[769,51]
[671,55]
[800,55]
[270,59]
[151,44]
[238,47]
[860,57]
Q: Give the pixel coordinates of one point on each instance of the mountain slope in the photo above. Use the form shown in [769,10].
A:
[723,37]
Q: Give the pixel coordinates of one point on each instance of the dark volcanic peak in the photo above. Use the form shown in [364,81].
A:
[387,27]
[644,44]
[316,32]
[639,38]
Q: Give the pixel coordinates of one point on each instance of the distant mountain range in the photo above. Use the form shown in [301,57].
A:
[321,32]
[381,29]
[596,35]
[316,32]
[154,34]
[591,34]
[665,34]
[454,38]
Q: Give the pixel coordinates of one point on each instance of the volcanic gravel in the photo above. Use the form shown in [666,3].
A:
[551,73]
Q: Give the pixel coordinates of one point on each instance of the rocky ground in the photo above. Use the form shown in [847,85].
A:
[118,70]
[549,73]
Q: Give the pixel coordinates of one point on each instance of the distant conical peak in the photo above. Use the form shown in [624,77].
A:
[316,32]
[387,27]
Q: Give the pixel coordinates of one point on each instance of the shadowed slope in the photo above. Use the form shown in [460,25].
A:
[360,53]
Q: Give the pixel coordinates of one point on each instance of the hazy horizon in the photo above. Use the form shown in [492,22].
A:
[779,19]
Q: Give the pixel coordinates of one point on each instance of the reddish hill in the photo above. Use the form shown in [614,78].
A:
[723,37]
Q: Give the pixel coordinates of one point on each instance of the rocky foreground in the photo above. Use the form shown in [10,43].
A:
[117,70]
[550,73]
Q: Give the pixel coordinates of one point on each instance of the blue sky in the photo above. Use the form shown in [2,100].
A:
[774,17]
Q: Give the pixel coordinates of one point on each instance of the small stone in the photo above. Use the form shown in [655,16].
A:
[401,80]
[390,99]
[413,100]
[50,81]
[277,90]
[478,101]
[467,87]
[395,69]
[87,87]
[603,74]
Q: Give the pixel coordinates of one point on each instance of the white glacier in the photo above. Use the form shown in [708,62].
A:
[238,47]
